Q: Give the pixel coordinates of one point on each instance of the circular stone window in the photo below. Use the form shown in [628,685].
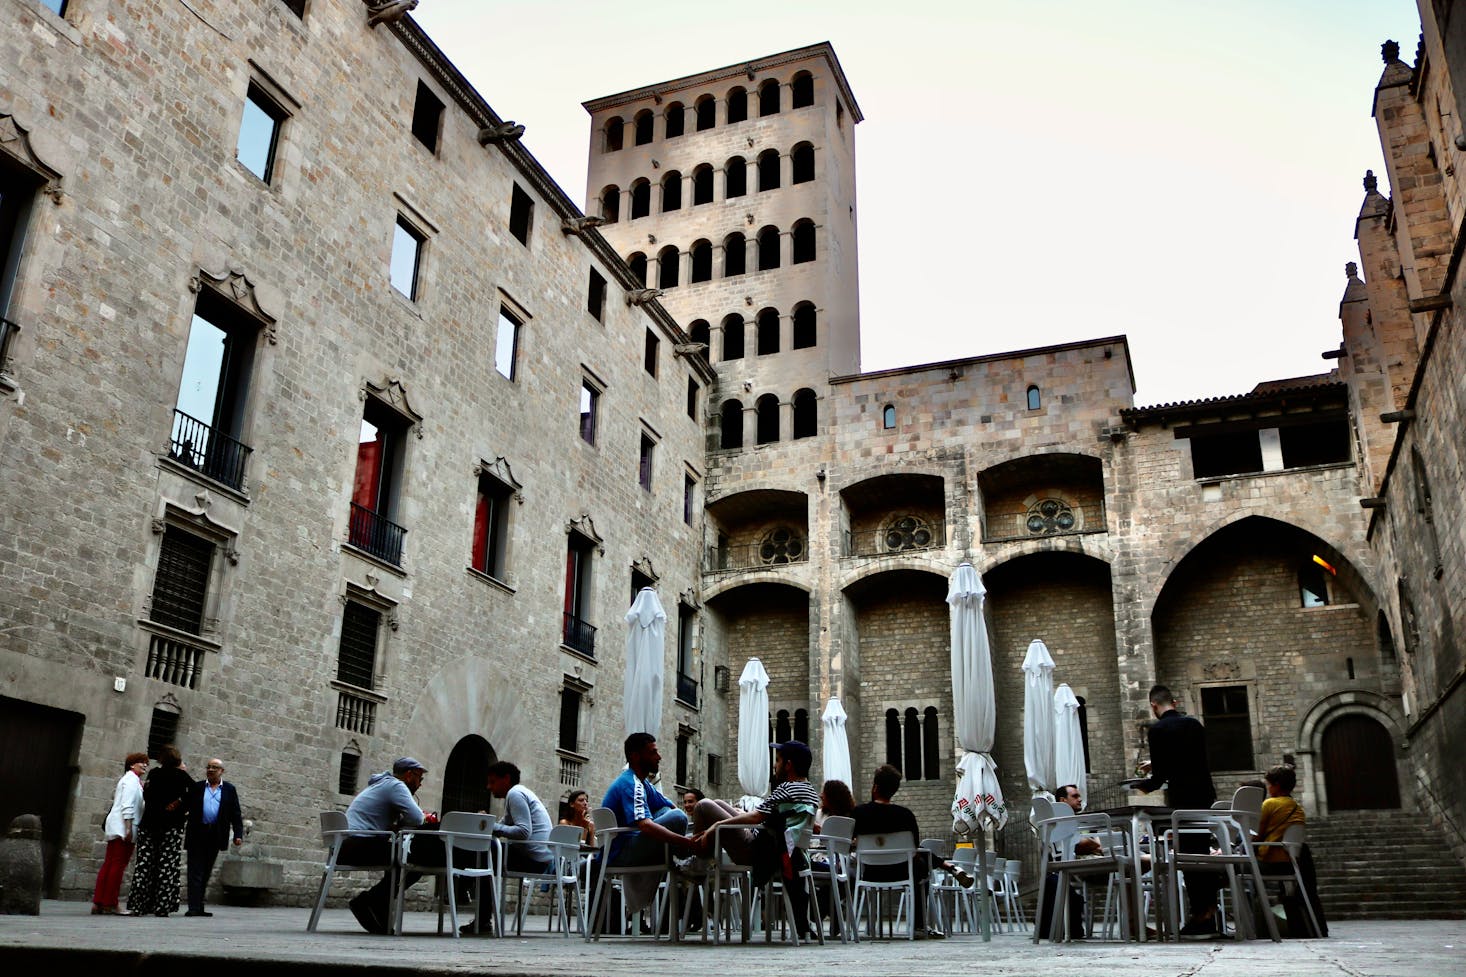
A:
[907,533]
[1050,516]
[781,545]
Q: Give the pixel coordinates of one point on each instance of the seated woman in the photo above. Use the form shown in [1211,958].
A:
[836,801]
[576,813]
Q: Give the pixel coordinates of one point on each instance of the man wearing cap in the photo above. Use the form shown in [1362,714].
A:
[386,804]
[774,826]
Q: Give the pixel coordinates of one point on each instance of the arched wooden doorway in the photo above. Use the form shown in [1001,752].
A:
[1359,764]
[466,773]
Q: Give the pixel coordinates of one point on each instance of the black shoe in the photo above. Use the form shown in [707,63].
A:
[366,915]
[1200,929]
[198,912]
[467,930]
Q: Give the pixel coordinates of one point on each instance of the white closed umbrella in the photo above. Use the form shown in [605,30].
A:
[1038,718]
[753,732]
[1068,743]
[836,746]
[646,636]
[979,801]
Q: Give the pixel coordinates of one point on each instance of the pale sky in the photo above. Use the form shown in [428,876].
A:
[1031,172]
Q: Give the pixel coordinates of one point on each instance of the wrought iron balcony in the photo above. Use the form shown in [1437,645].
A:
[8,332]
[206,450]
[909,534]
[687,689]
[579,635]
[780,547]
[376,534]
[1048,517]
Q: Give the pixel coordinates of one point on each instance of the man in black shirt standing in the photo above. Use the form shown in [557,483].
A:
[1178,760]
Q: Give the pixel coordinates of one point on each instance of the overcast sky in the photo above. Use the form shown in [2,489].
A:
[1031,172]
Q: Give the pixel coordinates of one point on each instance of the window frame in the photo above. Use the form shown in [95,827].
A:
[271,103]
[595,295]
[521,214]
[492,526]
[428,111]
[515,322]
[1233,721]
[590,400]
[646,459]
[419,238]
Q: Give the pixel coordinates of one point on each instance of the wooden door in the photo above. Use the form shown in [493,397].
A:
[1359,765]
[38,751]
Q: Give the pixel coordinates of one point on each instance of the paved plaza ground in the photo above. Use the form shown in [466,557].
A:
[65,941]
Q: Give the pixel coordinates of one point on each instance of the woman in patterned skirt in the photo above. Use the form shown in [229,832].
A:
[160,841]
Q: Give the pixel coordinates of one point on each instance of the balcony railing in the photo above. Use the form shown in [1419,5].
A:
[579,635]
[906,535]
[687,689]
[206,450]
[175,662]
[354,713]
[8,332]
[376,534]
[570,772]
[1048,518]
[774,550]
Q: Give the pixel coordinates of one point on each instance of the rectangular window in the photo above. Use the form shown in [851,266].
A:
[589,400]
[715,770]
[684,755]
[407,244]
[427,117]
[595,296]
[689,495]
[181,582]
[490,526]
[58,7]
[692,393]
[259,133]
[1320,443]
[644,473]
[209,414]
[570,698]
[1225,712]
[375,487]
[350,775]
[579,634]
[163,731]
[1237,453]
[506,346]
[356,660]
[521,215]
[649,360]
[17,193]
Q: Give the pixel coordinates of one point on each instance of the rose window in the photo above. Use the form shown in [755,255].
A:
[907,533]
[1050,516]
[781,545]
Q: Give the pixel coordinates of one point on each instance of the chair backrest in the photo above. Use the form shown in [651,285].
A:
[1225,830]
[1294,837]
[1222,806]
[1248,799]
[965,857]
[895,848]
[468,830]
[937,846]
[838,832]
[566,834]
[1041,809]
[332,821]
[1061,832]
[603,818]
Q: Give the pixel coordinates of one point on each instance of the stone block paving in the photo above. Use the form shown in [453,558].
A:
[66,939]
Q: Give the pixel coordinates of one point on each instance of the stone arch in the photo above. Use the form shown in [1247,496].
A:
[466,697]
[1354,702]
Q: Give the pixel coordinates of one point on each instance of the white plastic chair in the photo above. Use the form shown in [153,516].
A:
[1230,850]
[462,832]
[564,846]
[1057,840]
[334,832]
[1294,837]
[897,848]
[607,831]
[1247,805]
[838,835]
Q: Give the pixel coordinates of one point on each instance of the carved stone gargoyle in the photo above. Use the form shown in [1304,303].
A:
[504,132]
[388,11]
[641,296]
[579,225]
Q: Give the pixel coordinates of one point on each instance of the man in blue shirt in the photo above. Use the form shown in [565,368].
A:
[658,822]
[213,816]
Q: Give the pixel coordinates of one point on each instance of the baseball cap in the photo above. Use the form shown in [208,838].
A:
[404,764]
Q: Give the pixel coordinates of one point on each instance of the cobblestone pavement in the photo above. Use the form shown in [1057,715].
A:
[65,939]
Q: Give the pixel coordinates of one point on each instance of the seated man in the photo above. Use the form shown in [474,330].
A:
[659,824]
[526,823]
[882,817]
[774,827]
[386,804]
[1084,847]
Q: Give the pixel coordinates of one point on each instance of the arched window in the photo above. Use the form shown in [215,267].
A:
[641,199]
[615,133]
[733,337]
[931,743]
[637,262]
[1035,400]
[702,261]
[730,424]
[768,170]
[707,113]
[768,332]
[804,329]
[801,725]
[893,738]
[672,191]
[735,254]
[768,419]
[768,249]
[806,420]
[735,177]
[701,332]
[667,261]
[803,241]
[802,160]
[644,124]
[782,731]
[888,417]
[702,185]
[673,120]
[1386,637]
[768,97]
[611,204]
[911,740]
[801,90]
[737,105]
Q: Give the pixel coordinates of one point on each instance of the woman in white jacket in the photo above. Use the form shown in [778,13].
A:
[121,825]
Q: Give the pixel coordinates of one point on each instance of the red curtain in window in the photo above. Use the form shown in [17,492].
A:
[481,534]
[368,473]
[572,559]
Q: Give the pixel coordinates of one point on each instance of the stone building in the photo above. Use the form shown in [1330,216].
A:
[224,256]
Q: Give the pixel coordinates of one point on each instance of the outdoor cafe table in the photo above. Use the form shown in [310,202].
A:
[1140,818]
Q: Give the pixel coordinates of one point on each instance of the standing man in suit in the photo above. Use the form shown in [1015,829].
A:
[213,814]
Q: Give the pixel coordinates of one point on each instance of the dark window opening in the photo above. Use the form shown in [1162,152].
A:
[801,725]
[689,494]
[931,743]
[707,113]
[209,416]
[667,267]
[259,133]
[674,120]
[735,254]
[570,700]
[611,204]
[375,489]
[615,134]
[692,394]
[521,215]
[1323,443]
[639,582]
[768,98]
[684,753]
[1035,400]
[650,349]
[732,338]
[730,423]
[702,262]
[637,264]
[768,419]
[701,332]
[644,124]
[1084,730]
[783,729]
[803,242]
[767,330]
[768,170]
[888,417]
[491,527]
[407,243]
[589,402]
[911,741]
[768,249]
[804,326]
[356,659]
[578,634]
[737,105]
[1236,453]
[506,344]
[181,581]
[801,90]
[641,199]
[162,731]
[349,777]
[702,185]
[1224,710]
[1313,587]
[893,738]
[735,177]
[18,187]
[802,161]
[595,296]
[672,191]
[806,421]
[427,117]
[715,770]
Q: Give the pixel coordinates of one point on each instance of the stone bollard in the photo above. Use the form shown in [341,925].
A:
[22,873]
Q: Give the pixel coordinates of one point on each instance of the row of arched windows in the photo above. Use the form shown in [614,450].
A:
[914,743]
[804,419]
[767,254]
[767,333]
[767,99]
[674,191]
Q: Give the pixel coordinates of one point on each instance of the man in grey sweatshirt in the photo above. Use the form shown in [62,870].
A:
[386,804]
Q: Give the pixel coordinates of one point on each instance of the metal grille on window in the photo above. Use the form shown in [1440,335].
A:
[350,773]
[182,580]
[908,533]
[162,731]
[358,654]
[781,545]
[1050,516]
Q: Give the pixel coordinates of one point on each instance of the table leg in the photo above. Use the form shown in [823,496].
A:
[1137,825]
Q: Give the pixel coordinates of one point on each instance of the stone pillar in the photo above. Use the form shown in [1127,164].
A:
[786,249]
[786,168]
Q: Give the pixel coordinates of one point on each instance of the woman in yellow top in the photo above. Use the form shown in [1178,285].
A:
[1278,811]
